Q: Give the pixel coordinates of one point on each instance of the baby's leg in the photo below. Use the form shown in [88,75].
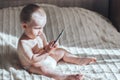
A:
[68,57]
[46,71]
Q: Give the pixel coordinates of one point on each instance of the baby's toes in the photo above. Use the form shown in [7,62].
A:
[79,77]
[93,60]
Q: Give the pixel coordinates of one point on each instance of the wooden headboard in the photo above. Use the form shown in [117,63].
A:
[100,6]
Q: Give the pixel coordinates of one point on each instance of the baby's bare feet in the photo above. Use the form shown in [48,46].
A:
[74,77]
[71,77]
[86,61]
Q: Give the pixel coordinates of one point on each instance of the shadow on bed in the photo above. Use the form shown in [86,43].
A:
[9,58]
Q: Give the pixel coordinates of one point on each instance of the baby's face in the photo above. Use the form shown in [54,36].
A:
[38,21]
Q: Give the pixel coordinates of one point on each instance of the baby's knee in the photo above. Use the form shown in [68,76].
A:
[61,50]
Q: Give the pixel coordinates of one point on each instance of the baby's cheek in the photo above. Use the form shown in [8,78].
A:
[35,32]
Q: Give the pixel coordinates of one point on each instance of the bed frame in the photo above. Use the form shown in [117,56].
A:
[108,8]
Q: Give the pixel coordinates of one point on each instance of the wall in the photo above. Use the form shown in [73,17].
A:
[115,13]
[100,6]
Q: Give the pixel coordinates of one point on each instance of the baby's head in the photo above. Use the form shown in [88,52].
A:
[33,19]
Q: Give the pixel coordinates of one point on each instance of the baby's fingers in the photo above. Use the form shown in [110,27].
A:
[55,45]
[51,43]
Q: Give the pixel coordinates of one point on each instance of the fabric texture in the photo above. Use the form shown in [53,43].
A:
[87,34]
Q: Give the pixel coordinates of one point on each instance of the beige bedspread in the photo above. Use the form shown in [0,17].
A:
[87,34]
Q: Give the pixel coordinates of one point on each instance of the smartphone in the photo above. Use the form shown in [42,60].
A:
[59,36]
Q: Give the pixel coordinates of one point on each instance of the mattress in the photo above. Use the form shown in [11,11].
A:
[87,34]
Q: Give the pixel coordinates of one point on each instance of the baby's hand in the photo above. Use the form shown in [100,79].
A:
[56,45]
[50,46]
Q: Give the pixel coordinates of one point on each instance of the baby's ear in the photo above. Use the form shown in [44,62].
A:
[24,25]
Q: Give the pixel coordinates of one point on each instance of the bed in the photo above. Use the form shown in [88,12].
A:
[87,34]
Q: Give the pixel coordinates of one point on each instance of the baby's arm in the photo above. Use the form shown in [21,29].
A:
[47,46]
[43,36]
[28,53]
[45,43]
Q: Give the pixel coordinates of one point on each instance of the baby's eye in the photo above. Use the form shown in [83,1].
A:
[38,28]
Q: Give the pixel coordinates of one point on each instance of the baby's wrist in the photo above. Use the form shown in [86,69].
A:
[45,50]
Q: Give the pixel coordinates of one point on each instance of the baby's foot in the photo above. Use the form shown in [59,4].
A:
[86,61]
[74,77]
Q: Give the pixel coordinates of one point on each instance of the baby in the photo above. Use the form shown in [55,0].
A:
[36,54]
